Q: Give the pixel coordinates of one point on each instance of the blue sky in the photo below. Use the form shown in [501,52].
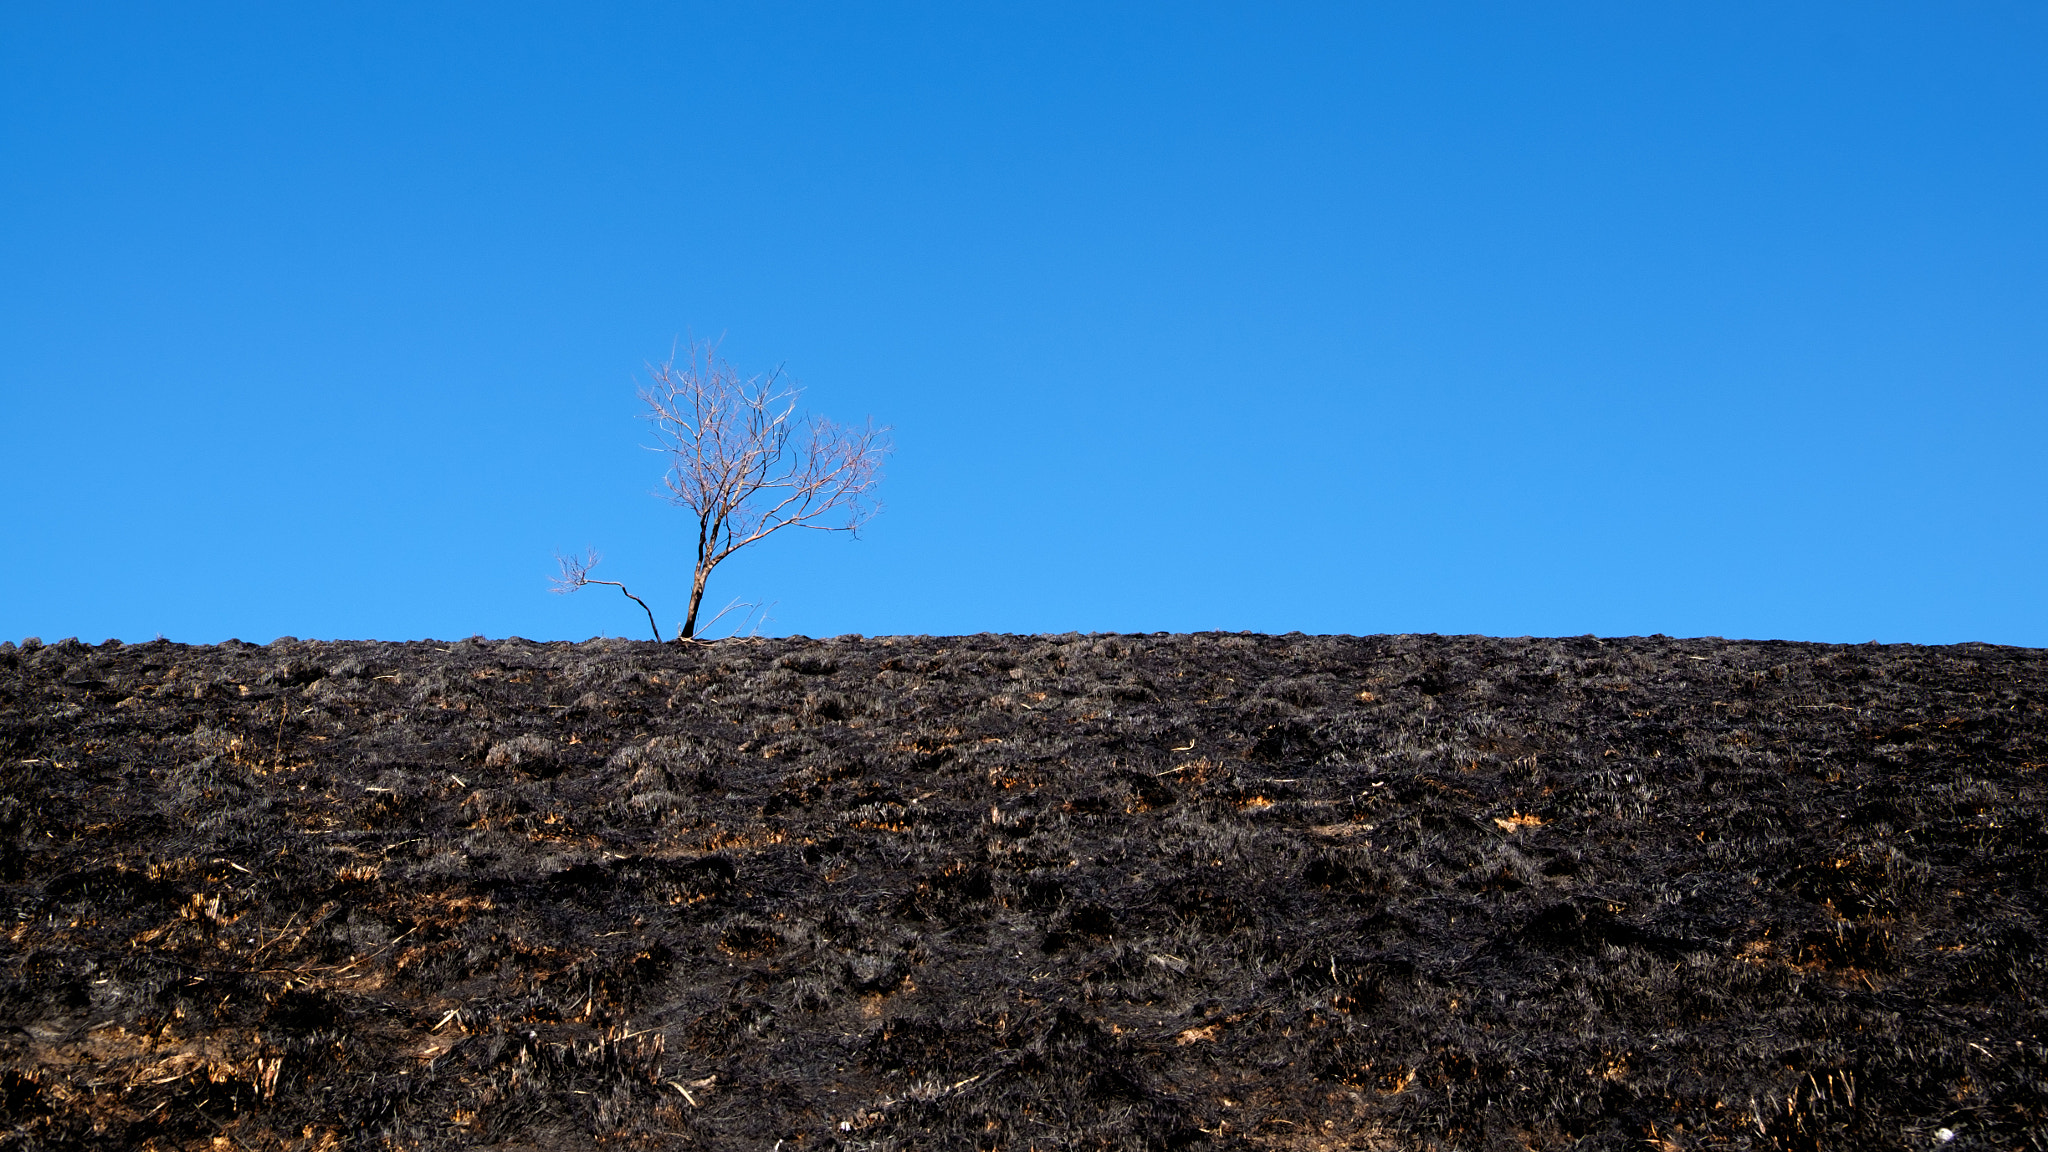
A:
[1701,319]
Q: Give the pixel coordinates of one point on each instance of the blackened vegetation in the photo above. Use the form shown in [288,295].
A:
[1053,892]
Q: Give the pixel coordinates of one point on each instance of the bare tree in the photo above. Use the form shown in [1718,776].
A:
[748,466]
[576,573]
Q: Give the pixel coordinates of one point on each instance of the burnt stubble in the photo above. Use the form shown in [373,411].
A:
[1106,891]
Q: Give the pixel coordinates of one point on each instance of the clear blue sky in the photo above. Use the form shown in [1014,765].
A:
[1702,319]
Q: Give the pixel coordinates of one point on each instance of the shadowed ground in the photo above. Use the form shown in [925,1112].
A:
[1160,891]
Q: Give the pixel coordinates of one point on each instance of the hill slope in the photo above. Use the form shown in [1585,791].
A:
[1024,892]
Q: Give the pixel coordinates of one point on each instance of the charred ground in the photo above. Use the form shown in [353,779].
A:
[1023,892]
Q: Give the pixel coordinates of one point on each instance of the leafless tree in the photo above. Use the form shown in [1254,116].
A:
[747,466]
[576,573]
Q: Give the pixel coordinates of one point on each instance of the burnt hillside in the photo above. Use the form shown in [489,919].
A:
[1209,891]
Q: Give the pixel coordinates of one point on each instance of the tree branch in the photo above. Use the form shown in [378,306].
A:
[576,573]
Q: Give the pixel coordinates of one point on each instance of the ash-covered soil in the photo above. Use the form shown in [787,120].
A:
[1215,891]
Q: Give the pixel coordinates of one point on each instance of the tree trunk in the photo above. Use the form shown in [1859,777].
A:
[696,598]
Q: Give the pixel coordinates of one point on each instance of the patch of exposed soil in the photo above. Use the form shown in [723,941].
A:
[1223,891]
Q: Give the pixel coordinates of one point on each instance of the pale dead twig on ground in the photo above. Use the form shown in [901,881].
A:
[750,625]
